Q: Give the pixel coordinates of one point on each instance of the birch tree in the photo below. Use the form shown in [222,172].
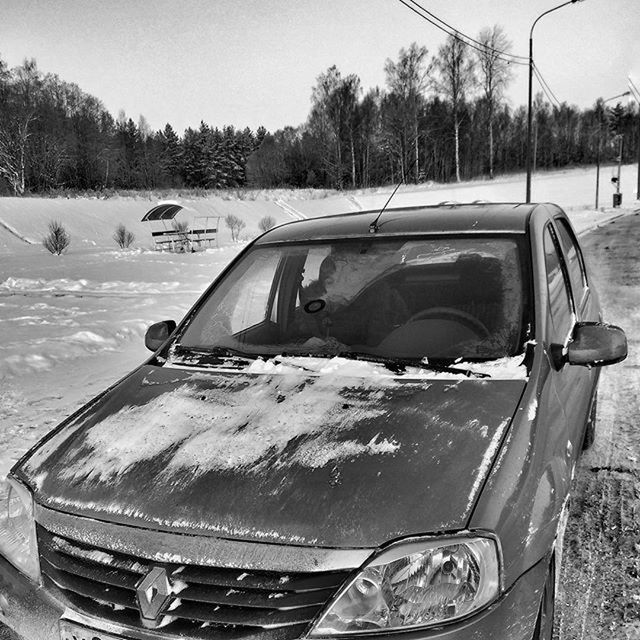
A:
[494,75]
[407,79]
[14,135]
[455,80]
[333,115]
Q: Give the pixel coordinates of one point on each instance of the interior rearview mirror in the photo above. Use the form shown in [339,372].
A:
[158,333]
[595,344]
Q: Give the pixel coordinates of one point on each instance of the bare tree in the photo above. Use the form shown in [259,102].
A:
[369,130]
[494,75]
[455,80]
[123,237]
[235,225]
[57,241]
[144,129]
[333,116]
[14,135]
[541,112]
[407,81]
[266,223]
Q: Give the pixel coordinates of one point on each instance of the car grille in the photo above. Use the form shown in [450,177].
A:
[212,601]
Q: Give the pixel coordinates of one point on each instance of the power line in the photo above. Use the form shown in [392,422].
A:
[461,37]
[545,86]
[467,40]
[634,90]
[481,44]
[550,97]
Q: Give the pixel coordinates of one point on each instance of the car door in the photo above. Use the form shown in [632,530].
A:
[573,385]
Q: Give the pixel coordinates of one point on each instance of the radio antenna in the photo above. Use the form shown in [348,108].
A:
[374,227]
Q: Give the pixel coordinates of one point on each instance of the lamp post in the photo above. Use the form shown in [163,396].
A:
[621,95]
[529,159]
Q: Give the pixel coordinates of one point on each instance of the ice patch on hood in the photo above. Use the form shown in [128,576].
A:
[320,453]
[202,429]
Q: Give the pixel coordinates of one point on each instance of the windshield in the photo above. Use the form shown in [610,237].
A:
[438,298]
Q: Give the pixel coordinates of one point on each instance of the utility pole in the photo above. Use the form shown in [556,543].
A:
[529,116]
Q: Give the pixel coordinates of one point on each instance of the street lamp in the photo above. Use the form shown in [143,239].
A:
[529,159]
[621,95]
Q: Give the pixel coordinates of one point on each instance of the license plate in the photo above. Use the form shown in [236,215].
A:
[71,631]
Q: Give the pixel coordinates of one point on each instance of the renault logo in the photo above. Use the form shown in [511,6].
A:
[153,592]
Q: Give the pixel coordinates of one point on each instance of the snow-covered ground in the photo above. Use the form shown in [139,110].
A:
[74,324]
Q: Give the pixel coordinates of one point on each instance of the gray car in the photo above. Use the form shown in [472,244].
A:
[367,426]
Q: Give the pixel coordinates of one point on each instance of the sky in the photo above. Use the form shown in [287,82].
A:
[255,62]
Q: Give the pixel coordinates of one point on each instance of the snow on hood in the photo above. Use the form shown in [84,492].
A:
[313,459]
[181,420]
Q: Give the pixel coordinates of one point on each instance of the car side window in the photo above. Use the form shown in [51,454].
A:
[252,300]
[238,307]
[560,305]
[574,261]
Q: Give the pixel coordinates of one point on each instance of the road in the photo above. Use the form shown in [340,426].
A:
[600,577]
[601,562]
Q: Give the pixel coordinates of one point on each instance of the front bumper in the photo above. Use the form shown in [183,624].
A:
[25,607]
[34,614]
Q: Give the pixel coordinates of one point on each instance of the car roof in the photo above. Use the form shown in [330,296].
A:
[449,218]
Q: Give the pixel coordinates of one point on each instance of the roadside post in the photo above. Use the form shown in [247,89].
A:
[617,196]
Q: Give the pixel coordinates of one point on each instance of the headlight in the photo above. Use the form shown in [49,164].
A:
[416,584]
[17,528]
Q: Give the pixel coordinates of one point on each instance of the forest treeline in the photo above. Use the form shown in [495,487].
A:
[440,117]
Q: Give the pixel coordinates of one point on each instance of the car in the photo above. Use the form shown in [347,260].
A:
[367,426]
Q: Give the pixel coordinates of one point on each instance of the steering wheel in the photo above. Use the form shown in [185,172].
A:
[449,313]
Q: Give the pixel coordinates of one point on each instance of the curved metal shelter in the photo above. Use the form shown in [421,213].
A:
[197,233]
[164,211]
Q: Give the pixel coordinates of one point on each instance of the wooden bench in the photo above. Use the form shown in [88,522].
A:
[200,236]
[170,238]
[183,240]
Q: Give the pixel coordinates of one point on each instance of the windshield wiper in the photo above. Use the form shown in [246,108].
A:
[398,365]
[217,355]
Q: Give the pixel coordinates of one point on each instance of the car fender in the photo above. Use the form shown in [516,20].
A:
[526,490]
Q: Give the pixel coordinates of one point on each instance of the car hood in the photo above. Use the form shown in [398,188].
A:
[298,459]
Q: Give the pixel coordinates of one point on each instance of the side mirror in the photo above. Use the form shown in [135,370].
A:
[595,344]
[158,333]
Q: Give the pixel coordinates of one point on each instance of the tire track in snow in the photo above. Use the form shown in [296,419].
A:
[289,210]
[86,288]
[15,233]
[60,293]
